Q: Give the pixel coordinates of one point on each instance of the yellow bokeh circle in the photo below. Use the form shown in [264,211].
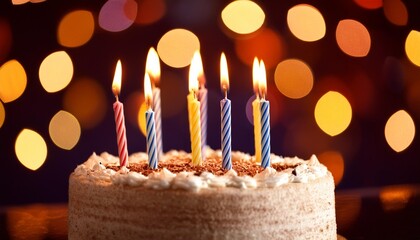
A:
[243,16]
[306,23]
[30,149]
[400,131]
[412,47]
[12,81]
[64,130]
[56,71]
[2,114]
[333,113]
[141,118]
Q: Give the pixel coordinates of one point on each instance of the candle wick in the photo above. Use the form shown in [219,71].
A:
[225,94]
[116,97]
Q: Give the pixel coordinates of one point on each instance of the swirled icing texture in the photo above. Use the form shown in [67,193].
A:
[94,169]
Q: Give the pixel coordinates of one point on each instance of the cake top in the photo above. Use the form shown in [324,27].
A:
[176,171]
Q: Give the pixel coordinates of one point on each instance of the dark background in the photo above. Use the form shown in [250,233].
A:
[369,161]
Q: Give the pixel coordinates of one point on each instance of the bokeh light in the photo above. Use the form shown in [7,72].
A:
[20,2]
[141,118]
[334,161]
[333,113]
[5,39]
[243,16]
[306,22]
[86,100]
[76,28]
[12,81]
[396,12]
[2,114]
[293,78]
[267,45]
[56,71]
[117,15]
[276,108]
[353,38]
[400,130]
[394,198]
[30,149]
[412,47]
[64,130]
[369,4]
[150,11]
[176,47]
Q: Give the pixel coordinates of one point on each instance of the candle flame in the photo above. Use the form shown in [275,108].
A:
[116,83]
[194,73]
[255,75]
[153,65]
[224,75]
[262,81]
[147,90]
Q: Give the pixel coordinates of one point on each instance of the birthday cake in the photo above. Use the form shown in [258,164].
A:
[291,199]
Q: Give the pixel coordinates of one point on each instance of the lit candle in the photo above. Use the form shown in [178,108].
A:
[225,113]
[202,97]
[153,69]
[256,110]
[119,117]
[194,115]
[265,118]
[150,125]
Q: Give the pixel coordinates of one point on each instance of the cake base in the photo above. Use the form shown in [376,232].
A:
[102,210]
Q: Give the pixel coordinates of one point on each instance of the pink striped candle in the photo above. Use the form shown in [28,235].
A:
[119,117]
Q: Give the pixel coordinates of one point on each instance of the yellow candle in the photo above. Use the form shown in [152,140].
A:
[256,113]
[194,115]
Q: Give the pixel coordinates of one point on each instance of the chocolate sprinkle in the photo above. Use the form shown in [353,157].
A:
[212,165]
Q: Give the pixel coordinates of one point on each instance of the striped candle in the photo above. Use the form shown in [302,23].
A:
[256,110]
[195,130]
[119,117]
[265,133]
[158,120]
[202,97]
[151,139]
[225,116]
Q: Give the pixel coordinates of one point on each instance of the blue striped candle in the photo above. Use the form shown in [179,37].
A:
[151,139]
[225,106]
[265,133]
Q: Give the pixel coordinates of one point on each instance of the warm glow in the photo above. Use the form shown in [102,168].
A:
[262,80]
[412,47]
[293,78]
[2,114]
[31,149]
[176,48]
[369,4]
[150,11]
[334,161]
[306,22]
[193,75]
[396,198]
[255,75]
[64,130]
[353,38]
[56,71]
[224,74]
[153,65]
[86,100]
[116,83]
[243,16]
[147,90]
[76,28]
[141,120]
[201,77]
[396,12]
[400,131]
[19,2]
[12,81]
[116,16]
[333,113]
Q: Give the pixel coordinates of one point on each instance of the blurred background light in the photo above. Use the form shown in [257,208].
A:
[56,71]
[293,78]
[412,47]
[76,28]
[86,100]
[369,4]
[30,149]
[394,198]
[117,15]
[353,38]
[19,2]
[306,23]
[266,44]
[334,161]
[243,16]
[141,118]
[150,11]
[2,114]
[396,12]
[176,47]
[64,130]
[5,39]
[400,130]
[333,113]
[13,81]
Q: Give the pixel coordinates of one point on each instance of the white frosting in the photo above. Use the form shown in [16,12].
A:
[94,169]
